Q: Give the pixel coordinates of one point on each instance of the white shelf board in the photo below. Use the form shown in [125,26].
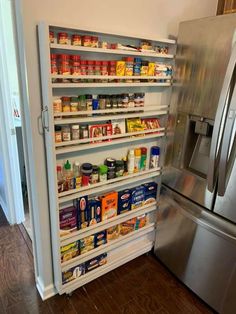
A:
[107,185]
[77,148]
[111,245]
[112,51]
[97,117]
[125,255]
[82,233]
[114,110]
[109,77]
[96,85]
[107,137]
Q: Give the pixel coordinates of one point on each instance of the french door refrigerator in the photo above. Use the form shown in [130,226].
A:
[196,231]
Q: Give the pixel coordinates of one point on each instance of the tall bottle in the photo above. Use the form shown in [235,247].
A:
[154,157]
[68,176]
[60,180]
[137,159]
[77,175]
[131,161]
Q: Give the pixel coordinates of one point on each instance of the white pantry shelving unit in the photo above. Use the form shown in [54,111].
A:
[157,92]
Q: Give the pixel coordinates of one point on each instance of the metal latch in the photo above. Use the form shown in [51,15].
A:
[45,118]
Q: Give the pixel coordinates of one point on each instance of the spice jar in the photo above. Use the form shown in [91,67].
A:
[111,166]
[75,132]
[119,101]
[74,104]
[82,103]
[63,64]
[51,37]
[84,131]
[66,134]
[108,102]
[137,66]
[86,170]
[63,38]
[54,69]
[75,66]
[104,68]
[97,67]
[90,67]
[112,68]
[94,42]
[58,136]
[94,175]
[83,67]
[102,101]
[103,173]
[129,65]
[76,40]
[89,102]
[86,41]
[65,104]
[57,105]
[119,168]
[144,68]
[131,101]
[114,101]
[125,100]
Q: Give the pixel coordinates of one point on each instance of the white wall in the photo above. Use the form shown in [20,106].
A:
[148,18]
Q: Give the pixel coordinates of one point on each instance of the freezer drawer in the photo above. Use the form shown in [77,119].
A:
[199,248]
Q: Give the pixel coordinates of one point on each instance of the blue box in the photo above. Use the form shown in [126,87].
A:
[73,273]
[150,192]
[82,209]
[96,262]
[137,197]
[94,212]
[124,201]
[100,238]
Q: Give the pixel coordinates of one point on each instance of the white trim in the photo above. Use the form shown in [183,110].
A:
[45,292]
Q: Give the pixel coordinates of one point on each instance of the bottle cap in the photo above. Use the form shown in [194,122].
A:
[155,150]
[87,166]
[137,152]
[82,97]
[143,150]
[74,99]
[75,127]
[77,163]
[67,165]
[95,168]
[103,169]
[58,168]
[131,152]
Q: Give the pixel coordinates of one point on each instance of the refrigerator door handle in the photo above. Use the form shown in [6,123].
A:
[219,124]
[228,151]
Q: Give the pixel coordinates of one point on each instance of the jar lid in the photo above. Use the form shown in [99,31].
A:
[90,62]
[138,60]
[51,32]
[77,163]
[75,57]
[145,63]
[57,128]
[120,163]
[131,152]
[74,99]
[53,56]
[87,37]
[112,62]
[58,168]
[63,34]
[103,169]
[97,62]
[155,150]
[94,37]
[63,56]
[87,166]
[129,59]
[76,36]
[143,150]
[137,152]
[75,127]
[95,168]
[110,162]
[87,96]
[65,98]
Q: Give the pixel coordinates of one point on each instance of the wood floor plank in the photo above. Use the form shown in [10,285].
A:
[61,304]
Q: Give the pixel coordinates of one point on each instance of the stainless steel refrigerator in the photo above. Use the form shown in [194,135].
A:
[196,231]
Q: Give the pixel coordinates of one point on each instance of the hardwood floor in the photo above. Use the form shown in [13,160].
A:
[140,286]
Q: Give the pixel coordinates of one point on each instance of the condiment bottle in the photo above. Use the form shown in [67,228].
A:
[60,180]
[154,157]
[119,168]
[137,159]
[68,176]
[86,170]
[103,173]
[131,161]
[77,175]
[82,103]
[66,133]
[94,175]
[74,104]
[143,160]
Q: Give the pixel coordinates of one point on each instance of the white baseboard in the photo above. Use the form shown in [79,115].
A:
[45,292]
[4,208]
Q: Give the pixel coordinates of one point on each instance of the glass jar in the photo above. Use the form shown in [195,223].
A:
[75,66]
[51,37]
[76,40]
[58,135]
[144,68]
[97,67]
[129,65]
[84,131]
[112,68]
[102,101]
[63,38]
[63,64]
[66,134]
[108,102]
[95,104]
[57,105]
[86,171]
[119,101]
[86,41]
[83,67]
[94,41]
[103,173]
[54,69]
[82,103]
[90,67]
[119,168]
[75,132]
[89,102]
[125,100]
[65,104]
[114,102]
[111,166]
[131,101]
[104,68]
[94,175]
[74,104]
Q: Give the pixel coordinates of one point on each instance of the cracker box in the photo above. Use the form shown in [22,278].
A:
[68,220]
[137,197]
[86,244]
[124,201]
[118,126]
[96,262]
[94,212]
[73,273]
[100,238]
[127,226]
[113,233]
[69,251]
[150,192]
[82,209]
[109,205]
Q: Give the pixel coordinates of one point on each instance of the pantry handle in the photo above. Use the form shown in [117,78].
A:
[44,117]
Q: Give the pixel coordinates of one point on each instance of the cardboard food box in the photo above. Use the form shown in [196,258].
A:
[137,197]
[109,205]
[68,220]
[73,273]
[69,251]
[124,201]
[150,192]
[82,209]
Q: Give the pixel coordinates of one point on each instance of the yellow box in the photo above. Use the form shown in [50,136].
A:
[120,68]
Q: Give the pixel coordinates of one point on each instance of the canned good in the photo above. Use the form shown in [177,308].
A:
[51,37]
[76,40]
[63,38]
[86,41]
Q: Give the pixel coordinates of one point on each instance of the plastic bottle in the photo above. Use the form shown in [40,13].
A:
[77,175]
[137,159]
[143,160]
[131,159]
[60,180]
[68,176]
[154,157]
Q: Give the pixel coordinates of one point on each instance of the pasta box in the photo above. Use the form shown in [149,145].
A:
[137,197]
[150,192]
[82,209]
[94,212]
